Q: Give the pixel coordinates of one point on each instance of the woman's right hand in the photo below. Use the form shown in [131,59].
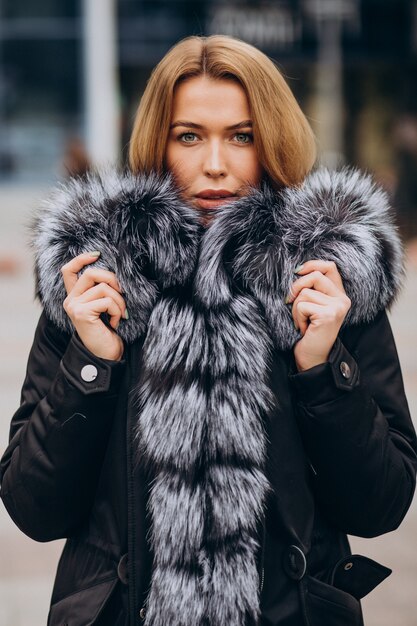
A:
[96,291]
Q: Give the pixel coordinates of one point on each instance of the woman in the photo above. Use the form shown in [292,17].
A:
[216,400]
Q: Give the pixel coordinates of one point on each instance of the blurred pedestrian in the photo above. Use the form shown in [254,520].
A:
[76,161]
[405,195]
[9,265]
[213,398]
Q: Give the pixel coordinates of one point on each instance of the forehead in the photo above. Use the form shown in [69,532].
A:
[203,97]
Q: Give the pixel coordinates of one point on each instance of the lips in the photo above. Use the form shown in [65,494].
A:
[212,198]
[215,193]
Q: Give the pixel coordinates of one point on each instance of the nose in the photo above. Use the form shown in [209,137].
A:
[215,160]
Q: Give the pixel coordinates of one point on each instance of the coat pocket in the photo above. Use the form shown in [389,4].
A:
[82,608]
[358,575]
[335,599]
[326,605]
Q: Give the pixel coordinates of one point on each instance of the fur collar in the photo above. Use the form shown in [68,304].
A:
[212,305]
[154,242]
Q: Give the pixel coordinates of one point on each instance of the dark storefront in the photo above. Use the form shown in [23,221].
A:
[375,42]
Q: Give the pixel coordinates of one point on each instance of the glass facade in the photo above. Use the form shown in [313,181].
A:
[41,70]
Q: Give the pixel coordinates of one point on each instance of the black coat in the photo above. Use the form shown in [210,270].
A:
[335,452]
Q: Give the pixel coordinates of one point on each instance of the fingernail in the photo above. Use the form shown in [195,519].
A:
[296,325]
[298,268]
[126,315]
[287,300]
[94,253]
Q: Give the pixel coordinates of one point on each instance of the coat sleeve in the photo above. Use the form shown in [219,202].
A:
[357,431]
[58,436]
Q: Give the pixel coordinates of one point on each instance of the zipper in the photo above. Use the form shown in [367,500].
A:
[131,522]
[262,578]
[263,556]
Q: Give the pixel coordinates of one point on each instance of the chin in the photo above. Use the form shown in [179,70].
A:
[206,218]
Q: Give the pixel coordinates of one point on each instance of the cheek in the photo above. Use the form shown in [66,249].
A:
[177,163]
[251,168]
[170,157]
[182,167]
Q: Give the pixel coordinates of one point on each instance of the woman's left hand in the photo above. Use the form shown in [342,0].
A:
[319,306]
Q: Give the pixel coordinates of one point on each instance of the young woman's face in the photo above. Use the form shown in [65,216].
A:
[210,146]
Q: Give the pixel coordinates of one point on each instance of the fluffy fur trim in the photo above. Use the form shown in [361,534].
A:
[202,401]
[144,233]
[210,305]
[256,244]
[152,241]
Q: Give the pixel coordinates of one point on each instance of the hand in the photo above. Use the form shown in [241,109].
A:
[320,305]
[96,291]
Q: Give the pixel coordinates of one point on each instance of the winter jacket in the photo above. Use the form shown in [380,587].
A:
[203,480]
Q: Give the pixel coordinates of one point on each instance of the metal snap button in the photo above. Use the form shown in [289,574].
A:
[348,566]
[89,373]
[142,613]
[295,563]
[344,369]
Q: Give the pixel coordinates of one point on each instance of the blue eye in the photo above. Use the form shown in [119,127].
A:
[247,137]
[183,135]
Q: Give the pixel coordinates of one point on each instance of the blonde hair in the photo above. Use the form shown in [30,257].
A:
[283,138]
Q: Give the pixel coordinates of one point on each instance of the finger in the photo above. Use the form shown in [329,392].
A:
[313,295]
[93,276]
[328,268]
[90,311]
[303,312]
[314,280]
[70,270]
[103,290]
[308,295]
[330,311]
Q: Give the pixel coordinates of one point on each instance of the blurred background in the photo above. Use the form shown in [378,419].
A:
[71,76]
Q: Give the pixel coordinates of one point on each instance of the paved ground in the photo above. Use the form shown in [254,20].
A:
[27,568]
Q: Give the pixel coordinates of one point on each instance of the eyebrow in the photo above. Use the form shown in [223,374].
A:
[243,124]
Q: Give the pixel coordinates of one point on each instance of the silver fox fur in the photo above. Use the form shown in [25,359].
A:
[210,305]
